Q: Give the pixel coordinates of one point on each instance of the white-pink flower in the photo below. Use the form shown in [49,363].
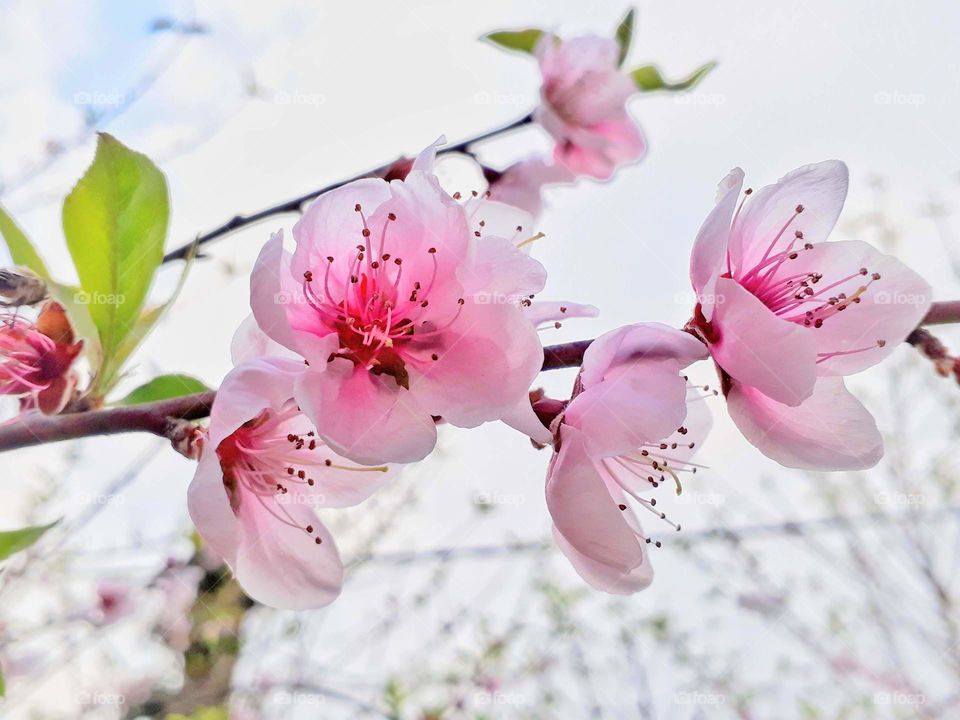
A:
[114,602]
[787,314]
[522,183]
[625,432]
[405,310]
[583,105]
[262,472]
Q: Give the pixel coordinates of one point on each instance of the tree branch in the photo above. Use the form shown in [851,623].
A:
[296,204]
[161,418]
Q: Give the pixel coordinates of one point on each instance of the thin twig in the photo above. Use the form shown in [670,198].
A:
[296,204]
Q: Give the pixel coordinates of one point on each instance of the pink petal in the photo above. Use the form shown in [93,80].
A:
[889,309]
[279,308]
[250,342]
[502,273]
[708,258]
[820,188]
[490,358]
[831,430]
[597,151]
[209,507]
[282,566]
[366,418]
[757,348]
[633,393]
[596,537]
[492,219]
[248,389]
[425,161]
[521,417]
[331,225]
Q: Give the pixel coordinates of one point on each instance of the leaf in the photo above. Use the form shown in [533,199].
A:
[115,221]
[149,318]
[13,541]
[649,79]
[164,387]
[3,685]
[625,34]
[21,249]
[519,40]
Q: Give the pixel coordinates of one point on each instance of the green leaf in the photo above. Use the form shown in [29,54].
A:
[115,221]
[520,40]
[3,685]
[625,34]
[164,387]
[649,79]
[21,249]
[13,541]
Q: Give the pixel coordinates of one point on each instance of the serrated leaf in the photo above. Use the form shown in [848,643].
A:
[648,78]
[13,541]
[164,387]
[519,40]
[625,34]
[21,249]
[115,221]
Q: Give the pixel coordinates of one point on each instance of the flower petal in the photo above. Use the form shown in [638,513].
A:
[281,565]
[888,310]
[547,312]
[831,430]
[710,247]
[821,189]
[596,537]
[490,358]
[757,348]
[366,418]
[210,509]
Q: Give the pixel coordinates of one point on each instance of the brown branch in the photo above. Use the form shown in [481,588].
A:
[942,313]
[297,203]
[161,418]
[931,347]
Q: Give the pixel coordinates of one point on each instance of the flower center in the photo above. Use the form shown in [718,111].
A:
[805,297]
[25,357]
[382,318]
[261,461]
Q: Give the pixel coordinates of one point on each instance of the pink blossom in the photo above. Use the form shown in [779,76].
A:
[405,309]
[521,184]
[787,314]
[583,106]
[625,432]
[114,602]
[262,472]
[36,358]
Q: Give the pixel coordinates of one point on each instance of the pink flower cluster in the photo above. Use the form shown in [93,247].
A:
[400,307]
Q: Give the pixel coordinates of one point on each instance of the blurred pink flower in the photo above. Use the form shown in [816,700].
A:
[114,602]
[521,184]
[178,584]
[625,431]
[36,358]
[787,314]
[583,105]
[405,311]
[262,472]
